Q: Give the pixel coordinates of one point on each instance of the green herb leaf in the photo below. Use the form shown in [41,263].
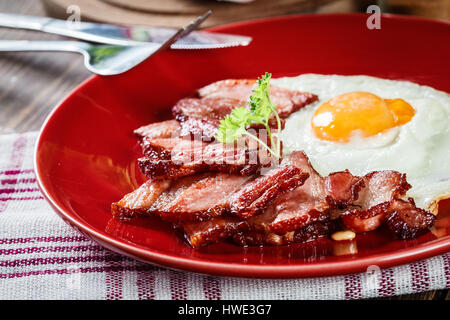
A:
[234,125]
[261,109]
[260,103]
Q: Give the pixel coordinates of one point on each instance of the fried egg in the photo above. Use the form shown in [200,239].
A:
[364,124]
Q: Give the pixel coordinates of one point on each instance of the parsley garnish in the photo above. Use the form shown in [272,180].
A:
[261,109]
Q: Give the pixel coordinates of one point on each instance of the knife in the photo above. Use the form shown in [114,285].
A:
[121,35]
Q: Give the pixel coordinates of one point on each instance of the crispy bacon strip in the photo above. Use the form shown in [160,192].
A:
[206,129]
[315,230]
[200,234]
[296,216]
[255,197]
[312,203]
[293,210]
[174,158]
[366,220]
[382,186]
[298,208]
[369,211]
[140,200]
[159,130]
[239,89]
[342,188]
[403,218]
[208,108]
[200,197]
[200,129]
[201,116]
[310,232]
[182,150]
[254,238]
[193,198]
[407,221]
[202,200]
[286,101]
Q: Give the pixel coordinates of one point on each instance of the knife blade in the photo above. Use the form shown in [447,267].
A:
[120,34]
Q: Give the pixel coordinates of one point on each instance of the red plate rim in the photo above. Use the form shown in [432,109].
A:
[382,260]
[323,15]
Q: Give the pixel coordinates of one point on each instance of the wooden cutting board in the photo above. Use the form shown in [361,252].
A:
[175,13]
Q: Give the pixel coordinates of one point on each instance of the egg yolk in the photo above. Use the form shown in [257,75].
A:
[363,112]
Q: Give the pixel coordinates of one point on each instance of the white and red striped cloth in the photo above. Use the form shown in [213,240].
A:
[43,258]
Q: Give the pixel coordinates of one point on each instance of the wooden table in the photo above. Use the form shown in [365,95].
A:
[32,84]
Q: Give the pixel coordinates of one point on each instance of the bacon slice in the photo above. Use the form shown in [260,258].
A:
[201,129]
[314,200]
[407,221]
[254,238]
[181,149]
[193,198]
[298,208]
[174,158]
[208,108]
[286,101]
[370,210]
[315,230]
[257,195]
[382,186]
[254,198]
[310,232]
[366,220]
[240,232]
[402,217]
[202,200]
[159,130]
[150,195]
[289,211]
[239,89]
[200,234]
[204,196]
[201,116]
[140,200]
[206,129]
[342,188]
[198,205]
[308,203]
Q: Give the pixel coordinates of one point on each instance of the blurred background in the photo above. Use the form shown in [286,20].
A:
[32,84]
[173,13]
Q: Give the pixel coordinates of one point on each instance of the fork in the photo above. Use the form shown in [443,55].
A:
[103,59]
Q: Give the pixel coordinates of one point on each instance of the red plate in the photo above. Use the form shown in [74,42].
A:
[86,153]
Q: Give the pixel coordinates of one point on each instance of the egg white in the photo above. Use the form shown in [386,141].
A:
[419,148]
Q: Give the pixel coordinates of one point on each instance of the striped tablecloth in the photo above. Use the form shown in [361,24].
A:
[43,258]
